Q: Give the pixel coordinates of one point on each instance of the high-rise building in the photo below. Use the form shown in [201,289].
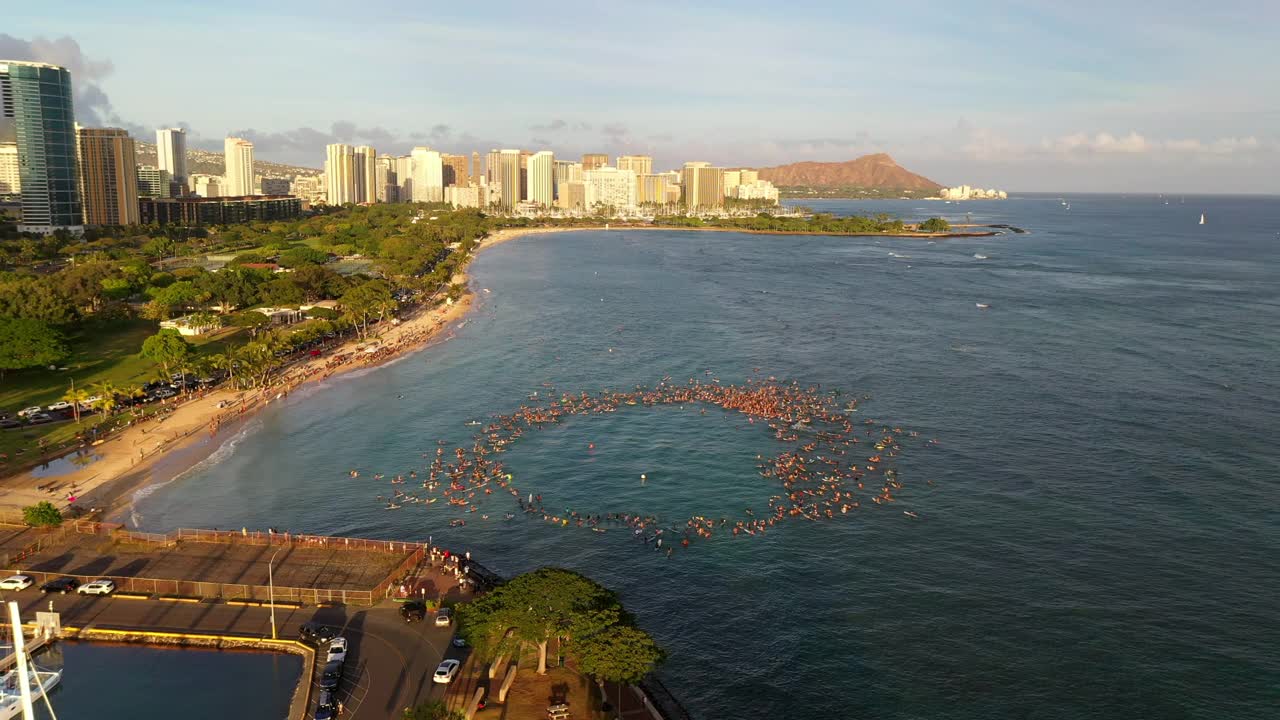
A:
[238,154]
[566,171]
[651,190]
[428,175]
[108,176]
[404,176]
[10,179]
[541,174]
[386,187]
[171,153]
[339,174]
[610,189]
[493,167]
[476,168]
[36,98]
[364,173]
[455,169]
[591,161]
[153,182]
[732,179]
[703,185]
[573,195]
[310,188]
[638,164]
[748,177]
[509,178]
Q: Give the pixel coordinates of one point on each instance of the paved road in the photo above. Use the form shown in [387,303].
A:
[389,665]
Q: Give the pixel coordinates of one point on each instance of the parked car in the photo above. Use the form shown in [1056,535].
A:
[165,392]
[16,582]
[97,587]
[314,633]
[62,585]
[443,617]
[459,642]
[413,610]
[10,423]
[337,650]
[446,672]
[60,405]
[30,411]
[331,676]
[39,418]
[327,706]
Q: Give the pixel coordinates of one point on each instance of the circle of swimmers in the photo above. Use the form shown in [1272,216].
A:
[831,464]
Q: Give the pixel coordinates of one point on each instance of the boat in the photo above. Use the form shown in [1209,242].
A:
[1201,218]
[40,681]
[979,256]
[983,306]
[472,422]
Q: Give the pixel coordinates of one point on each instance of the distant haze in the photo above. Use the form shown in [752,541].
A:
[1084,96]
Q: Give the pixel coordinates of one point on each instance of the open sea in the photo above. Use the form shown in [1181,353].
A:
[1102,535]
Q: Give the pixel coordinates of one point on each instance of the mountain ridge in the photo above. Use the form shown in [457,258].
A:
[878,171]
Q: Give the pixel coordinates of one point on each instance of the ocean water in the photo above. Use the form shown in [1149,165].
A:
[1101,538]
[150,683]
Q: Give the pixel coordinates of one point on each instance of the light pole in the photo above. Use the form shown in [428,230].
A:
[271,589]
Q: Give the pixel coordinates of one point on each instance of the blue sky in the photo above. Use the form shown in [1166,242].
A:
[1109,96]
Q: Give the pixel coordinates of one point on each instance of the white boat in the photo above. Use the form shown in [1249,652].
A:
[983,306]
[41,682]
[1201,218]
[979,256]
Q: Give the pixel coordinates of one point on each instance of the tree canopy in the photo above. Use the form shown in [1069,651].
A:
[552,603]
[42,514]
[167,348]
[25,343]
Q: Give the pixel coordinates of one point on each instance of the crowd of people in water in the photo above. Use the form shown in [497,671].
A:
[830,467]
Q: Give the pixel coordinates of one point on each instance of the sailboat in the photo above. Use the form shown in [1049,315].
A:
[1201,218]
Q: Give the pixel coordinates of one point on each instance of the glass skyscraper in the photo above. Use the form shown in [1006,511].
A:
[36,99]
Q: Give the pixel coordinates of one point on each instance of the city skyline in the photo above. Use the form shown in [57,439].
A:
[984,92]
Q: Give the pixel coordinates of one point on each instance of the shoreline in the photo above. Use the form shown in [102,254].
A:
[159,451]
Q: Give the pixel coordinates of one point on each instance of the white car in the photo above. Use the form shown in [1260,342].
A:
[337,650]
[446,671]
[16,582]
[60,405]
[30,411]
[443,617]
[97,587]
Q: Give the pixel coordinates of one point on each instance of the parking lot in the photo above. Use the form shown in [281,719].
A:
[295,565]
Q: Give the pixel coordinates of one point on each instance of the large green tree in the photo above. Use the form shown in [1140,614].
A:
[167,348]
[552,603]
[28,343]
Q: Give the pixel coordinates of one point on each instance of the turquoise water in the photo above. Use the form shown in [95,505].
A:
[149,683]
[1101,538]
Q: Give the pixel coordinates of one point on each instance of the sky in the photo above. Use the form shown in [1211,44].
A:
[1118,96]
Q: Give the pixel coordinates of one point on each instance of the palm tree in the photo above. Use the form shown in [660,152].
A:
[75,397]
[107,397]
[225,361]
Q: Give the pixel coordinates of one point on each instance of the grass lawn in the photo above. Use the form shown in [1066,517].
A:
[106,352]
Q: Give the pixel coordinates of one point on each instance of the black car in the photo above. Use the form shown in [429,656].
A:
[62,585]
[313,633]
[8,423]
[327,706]
[413,610]
[331,675]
